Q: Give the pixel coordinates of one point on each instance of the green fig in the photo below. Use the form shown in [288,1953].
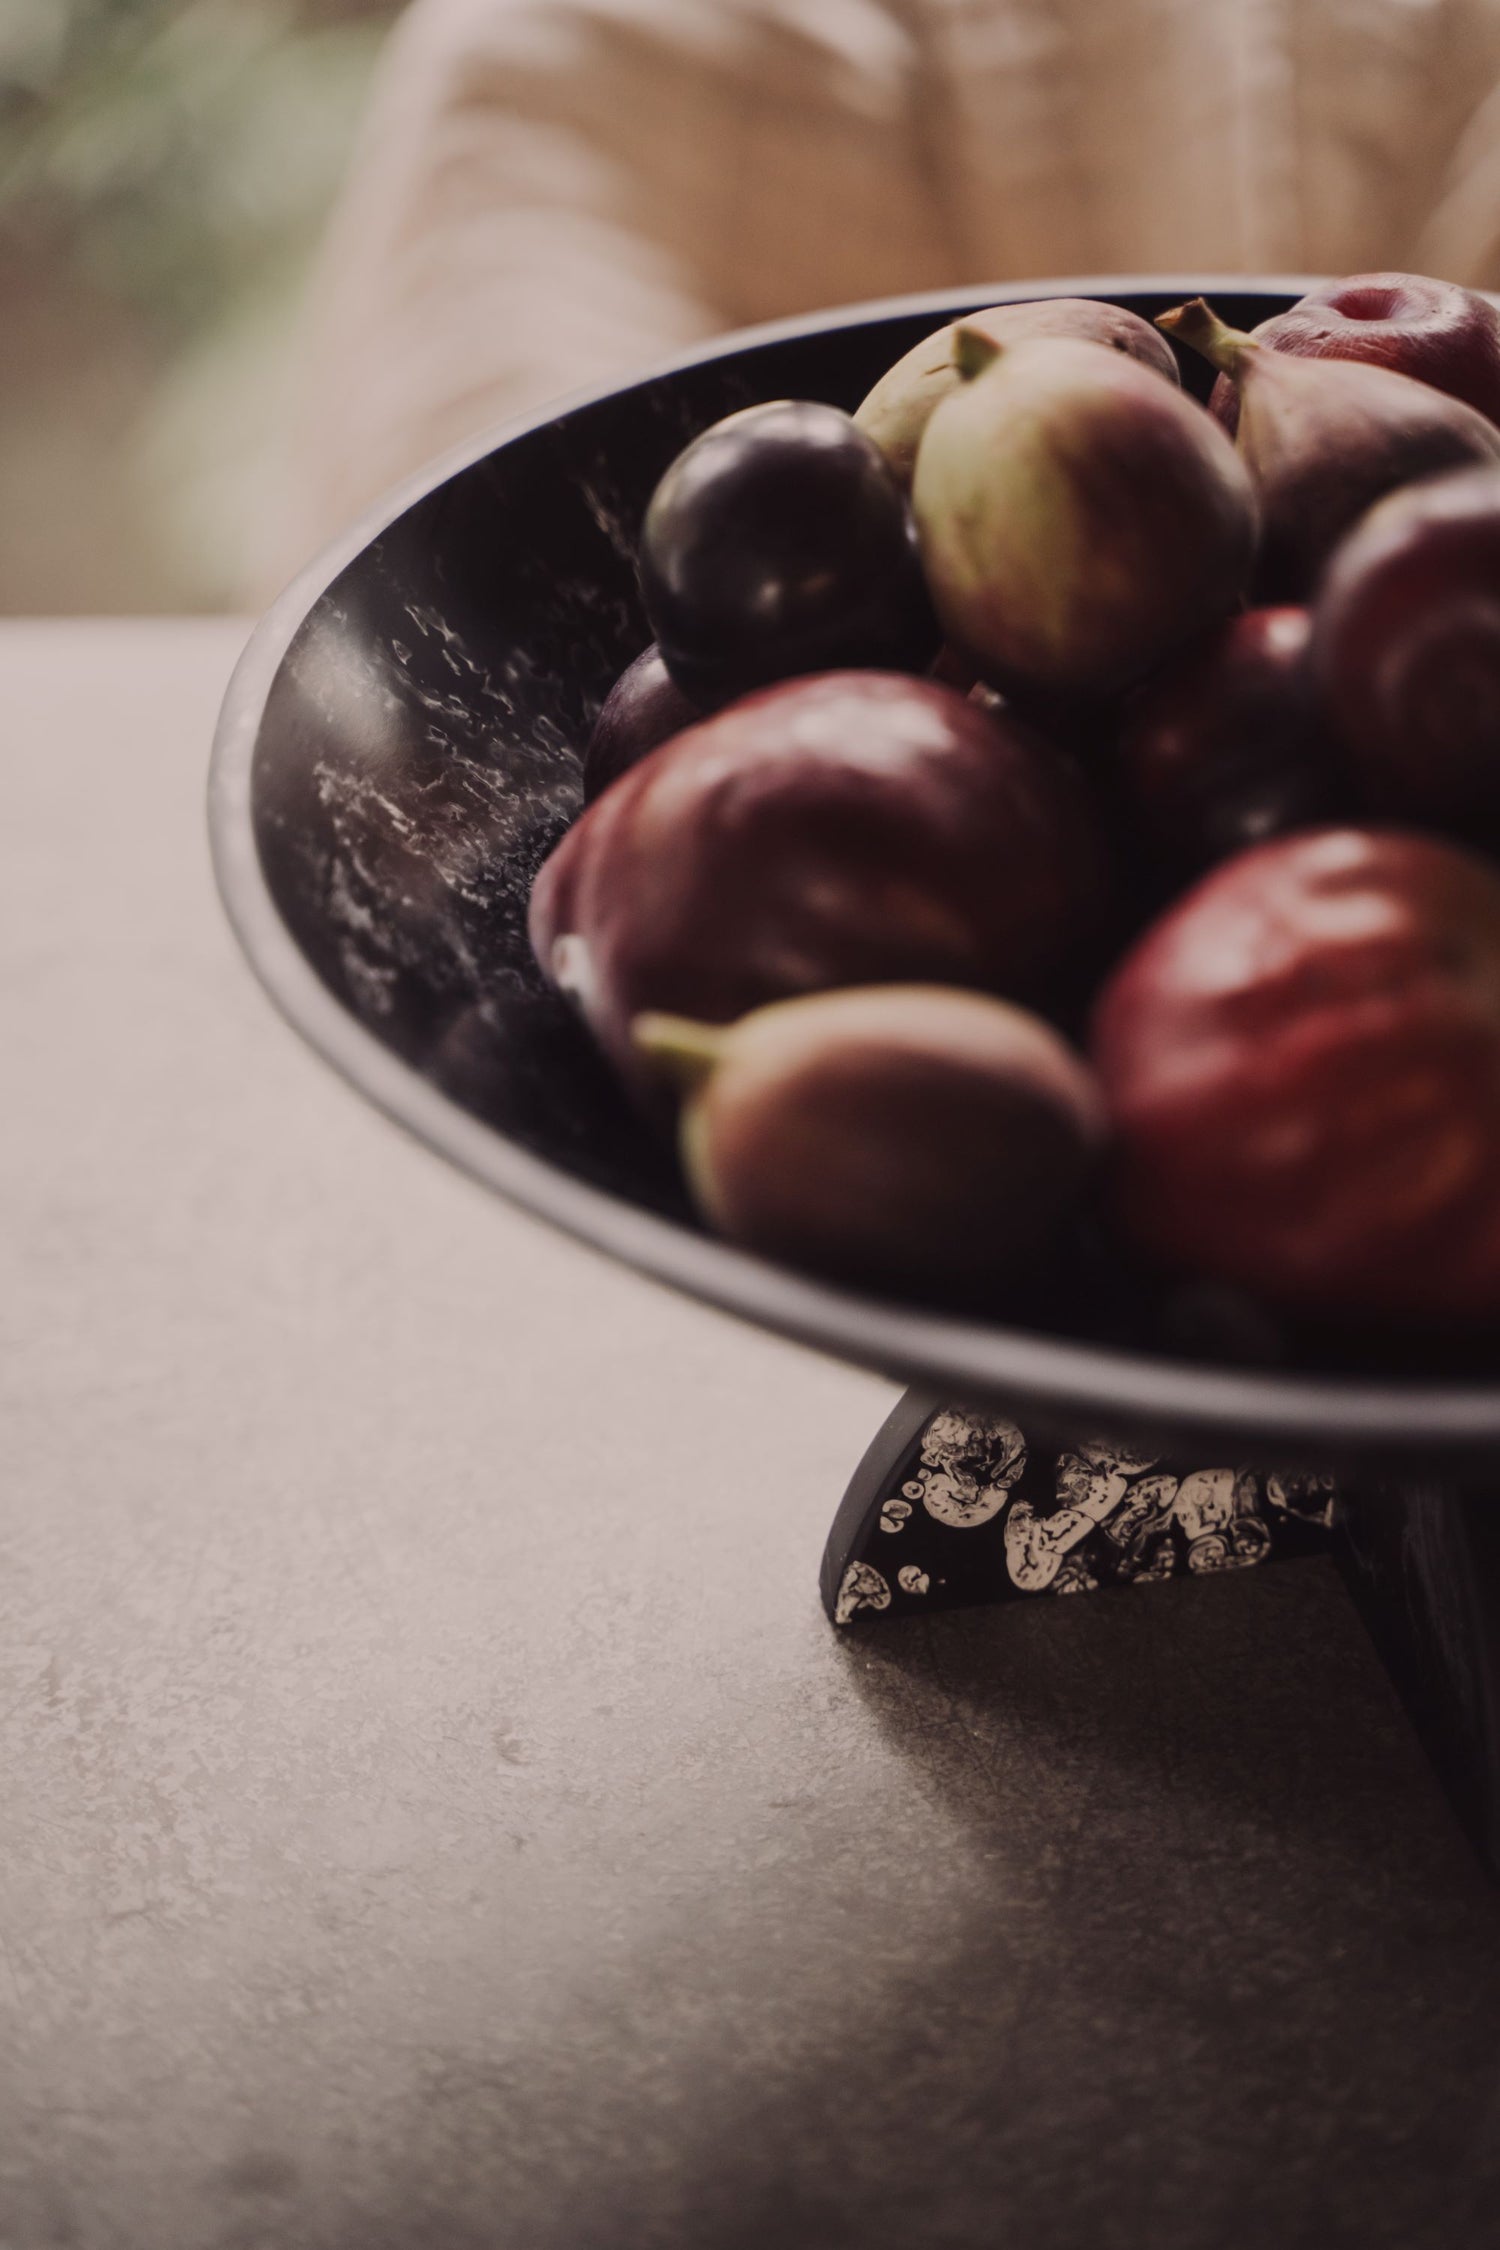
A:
[1078,518]
[898,409]
[1324,439]
[901,1136]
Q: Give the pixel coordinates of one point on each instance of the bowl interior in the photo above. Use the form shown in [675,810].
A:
[400,751]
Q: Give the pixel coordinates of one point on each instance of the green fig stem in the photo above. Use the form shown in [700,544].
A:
[687,1052]
[1198,326]
[973,352]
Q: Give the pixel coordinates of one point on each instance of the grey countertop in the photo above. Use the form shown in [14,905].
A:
[435,1809]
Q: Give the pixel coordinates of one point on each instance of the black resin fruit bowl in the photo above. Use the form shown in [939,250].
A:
[399,750]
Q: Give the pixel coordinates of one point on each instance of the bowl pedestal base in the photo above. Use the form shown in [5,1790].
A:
[951,1507]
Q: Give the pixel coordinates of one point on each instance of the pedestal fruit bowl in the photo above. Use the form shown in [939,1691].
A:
[398,752]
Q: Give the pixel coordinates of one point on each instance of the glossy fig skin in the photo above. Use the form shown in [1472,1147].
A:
[1301,1063]
[900,1136]
[643,709]
[857,828]
[1406,653]
[1435,331]
[1227,746]
[1325,439]
[777,544]
[897,410]
[1079,519]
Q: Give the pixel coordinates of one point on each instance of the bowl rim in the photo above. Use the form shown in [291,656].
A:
[970,1361]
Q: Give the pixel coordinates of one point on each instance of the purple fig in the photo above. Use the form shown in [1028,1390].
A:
[777,544]
[1406,653]
[1324,439]
[897,410]
[1434,330]
[1226,745]
[1078,517]
[901,1136]
[643,709]
[857,828]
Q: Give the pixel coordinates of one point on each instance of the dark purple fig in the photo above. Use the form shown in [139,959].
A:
[1406,650]
[779,544]
[900,1136]
[897,410]
[1079,518]
[1432,330]
[1324,439]
[858,828]
[643,709]
[1226,745]
[954,669]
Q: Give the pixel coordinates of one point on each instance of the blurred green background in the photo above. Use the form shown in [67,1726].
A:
[166,167]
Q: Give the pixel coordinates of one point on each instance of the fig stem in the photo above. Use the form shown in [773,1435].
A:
[973,352]
[1199,326]
[687,1052]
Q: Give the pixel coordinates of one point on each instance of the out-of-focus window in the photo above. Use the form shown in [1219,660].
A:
[165,170]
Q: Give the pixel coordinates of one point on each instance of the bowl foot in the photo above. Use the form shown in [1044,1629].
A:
[954,1506]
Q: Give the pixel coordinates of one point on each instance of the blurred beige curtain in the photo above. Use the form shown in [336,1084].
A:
[553,192]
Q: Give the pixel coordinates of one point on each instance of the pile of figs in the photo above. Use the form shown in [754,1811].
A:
[1053,804]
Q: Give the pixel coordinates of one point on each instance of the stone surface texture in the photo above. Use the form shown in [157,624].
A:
[436,1811]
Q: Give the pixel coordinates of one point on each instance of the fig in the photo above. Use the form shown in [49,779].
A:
[896,411]
[1436,331]
[1078,517]
[857,828]
[902,1136]
[1226,746]
[778,543]
[1324,439]
[1301,1064]
[1406,652]
[641,711]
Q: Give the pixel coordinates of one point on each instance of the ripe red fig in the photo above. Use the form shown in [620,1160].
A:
[902,1136]
[857,828]
[1301,1062]
[1078,517]
[1225,746]
[1433,330]
[897,410]
[643,709]
[1324,439]
[1406,652]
